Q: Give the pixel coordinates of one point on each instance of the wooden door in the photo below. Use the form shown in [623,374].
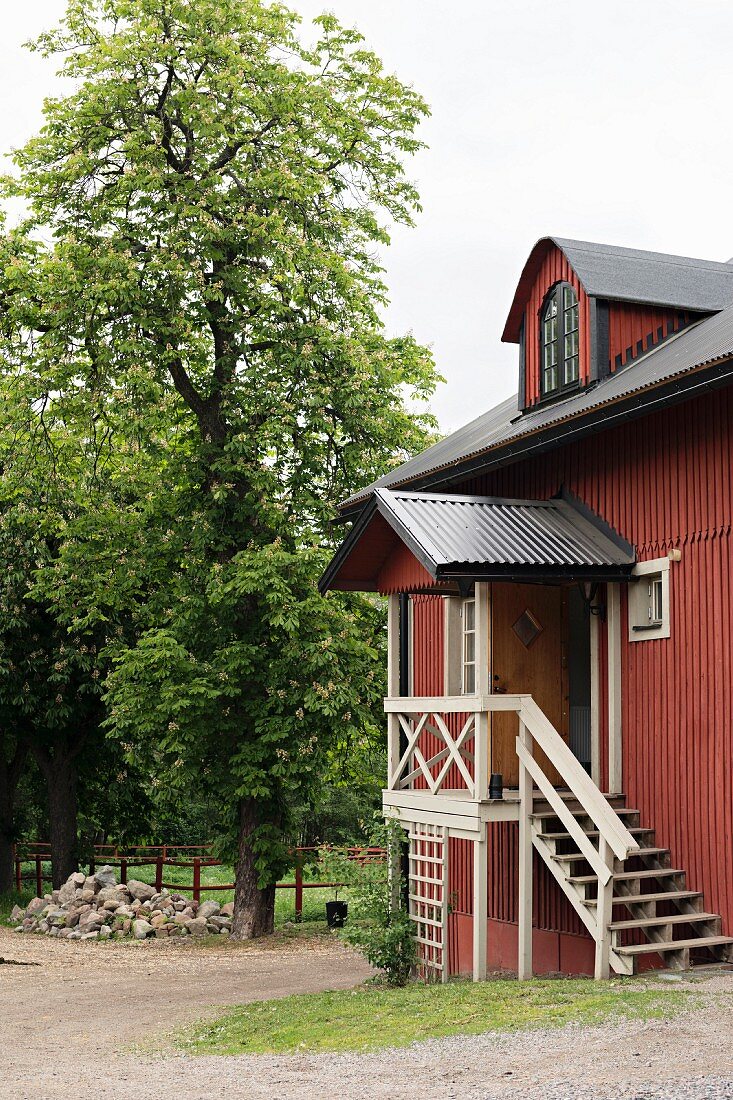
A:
[528,655]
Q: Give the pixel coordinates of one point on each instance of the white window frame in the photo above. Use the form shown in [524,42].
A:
[642,598]
[465,634]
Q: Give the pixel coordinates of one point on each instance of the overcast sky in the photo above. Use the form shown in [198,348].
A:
[600,121]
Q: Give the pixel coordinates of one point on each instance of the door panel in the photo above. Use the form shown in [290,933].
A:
[528,655]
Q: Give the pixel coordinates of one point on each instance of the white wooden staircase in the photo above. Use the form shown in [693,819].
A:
[652,913]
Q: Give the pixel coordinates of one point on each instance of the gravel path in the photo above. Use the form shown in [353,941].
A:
[67,1027]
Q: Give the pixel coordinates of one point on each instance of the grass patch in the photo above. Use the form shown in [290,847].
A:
[374,1017]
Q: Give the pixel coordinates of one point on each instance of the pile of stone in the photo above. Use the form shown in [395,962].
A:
[95,907]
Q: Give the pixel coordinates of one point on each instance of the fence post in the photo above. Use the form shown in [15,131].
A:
[298,885]
[197,878]
[39,877]
[123,872]
[158,873]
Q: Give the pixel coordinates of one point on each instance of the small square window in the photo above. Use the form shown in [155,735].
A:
[649,615]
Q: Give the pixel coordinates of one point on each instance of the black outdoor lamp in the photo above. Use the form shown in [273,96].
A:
[588,591]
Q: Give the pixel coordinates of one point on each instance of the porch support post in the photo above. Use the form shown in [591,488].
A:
[603,916]
[615,769]
[524,955]
[393,732]
[480,903]
[482,765]
[595,702]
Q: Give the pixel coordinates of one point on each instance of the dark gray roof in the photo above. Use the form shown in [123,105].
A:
[471,537]
[503,433]
[631,275]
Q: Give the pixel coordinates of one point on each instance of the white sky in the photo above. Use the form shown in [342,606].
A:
[600,121]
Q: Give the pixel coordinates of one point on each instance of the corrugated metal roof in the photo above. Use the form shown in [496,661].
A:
[708,341]
[470,537]
[458,533]
[631,275]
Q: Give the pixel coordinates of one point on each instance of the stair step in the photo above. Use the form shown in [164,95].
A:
[636,899]
[623,876]
[649,922]
[574,857]
[543,815]
[674,945]
[593,835]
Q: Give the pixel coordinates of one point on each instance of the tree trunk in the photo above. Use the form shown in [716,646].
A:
[59,771]
[10,772]
[254,909]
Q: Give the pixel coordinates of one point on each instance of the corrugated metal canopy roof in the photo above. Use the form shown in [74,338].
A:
[630,275]
[500,431]
[471,537]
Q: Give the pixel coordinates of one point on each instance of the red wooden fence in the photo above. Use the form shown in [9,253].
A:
[158,856]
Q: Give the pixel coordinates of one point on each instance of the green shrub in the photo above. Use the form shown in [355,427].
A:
[382,933]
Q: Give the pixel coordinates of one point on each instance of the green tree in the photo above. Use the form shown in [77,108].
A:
[205,211]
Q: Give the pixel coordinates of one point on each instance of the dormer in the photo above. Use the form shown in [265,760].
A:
[582,311]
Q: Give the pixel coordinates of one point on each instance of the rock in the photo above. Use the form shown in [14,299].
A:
[141,929]
[227,910]
[141,891]
[207,909]
[161,930]
[90,935]
[105,876]
[105,932]
[16,913]
[179,906]
[158,920]
[87,895]
[108,893]
[176,930]
[55,896]
[90,884]
[220,922]
[35,906]
[53,931]
[181,920]
[72,918]
[67,893]
[225,932]
[212,929]
[197,927]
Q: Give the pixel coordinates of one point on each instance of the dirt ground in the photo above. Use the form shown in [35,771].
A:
[70,1010]
[71,1020]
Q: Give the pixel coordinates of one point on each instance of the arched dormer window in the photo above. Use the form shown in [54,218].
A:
[559,340]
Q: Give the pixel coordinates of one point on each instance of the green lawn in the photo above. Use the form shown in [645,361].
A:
[373,1017]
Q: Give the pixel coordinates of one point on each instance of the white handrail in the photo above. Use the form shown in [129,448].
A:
[596,806]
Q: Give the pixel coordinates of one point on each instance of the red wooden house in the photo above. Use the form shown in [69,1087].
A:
[560,583]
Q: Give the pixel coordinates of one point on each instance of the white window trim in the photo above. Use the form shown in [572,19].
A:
[639,601]
[464,663]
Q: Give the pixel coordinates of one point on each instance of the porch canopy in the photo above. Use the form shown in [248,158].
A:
[457,540]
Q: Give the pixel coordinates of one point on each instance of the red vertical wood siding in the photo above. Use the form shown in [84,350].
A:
[630,324]
[555,268]
[665,482]
[402,572]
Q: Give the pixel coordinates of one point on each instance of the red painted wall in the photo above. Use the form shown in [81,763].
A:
[555,267]
[665,481]
[630,325]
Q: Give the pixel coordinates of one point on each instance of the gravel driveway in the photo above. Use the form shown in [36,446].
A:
[67,1026]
